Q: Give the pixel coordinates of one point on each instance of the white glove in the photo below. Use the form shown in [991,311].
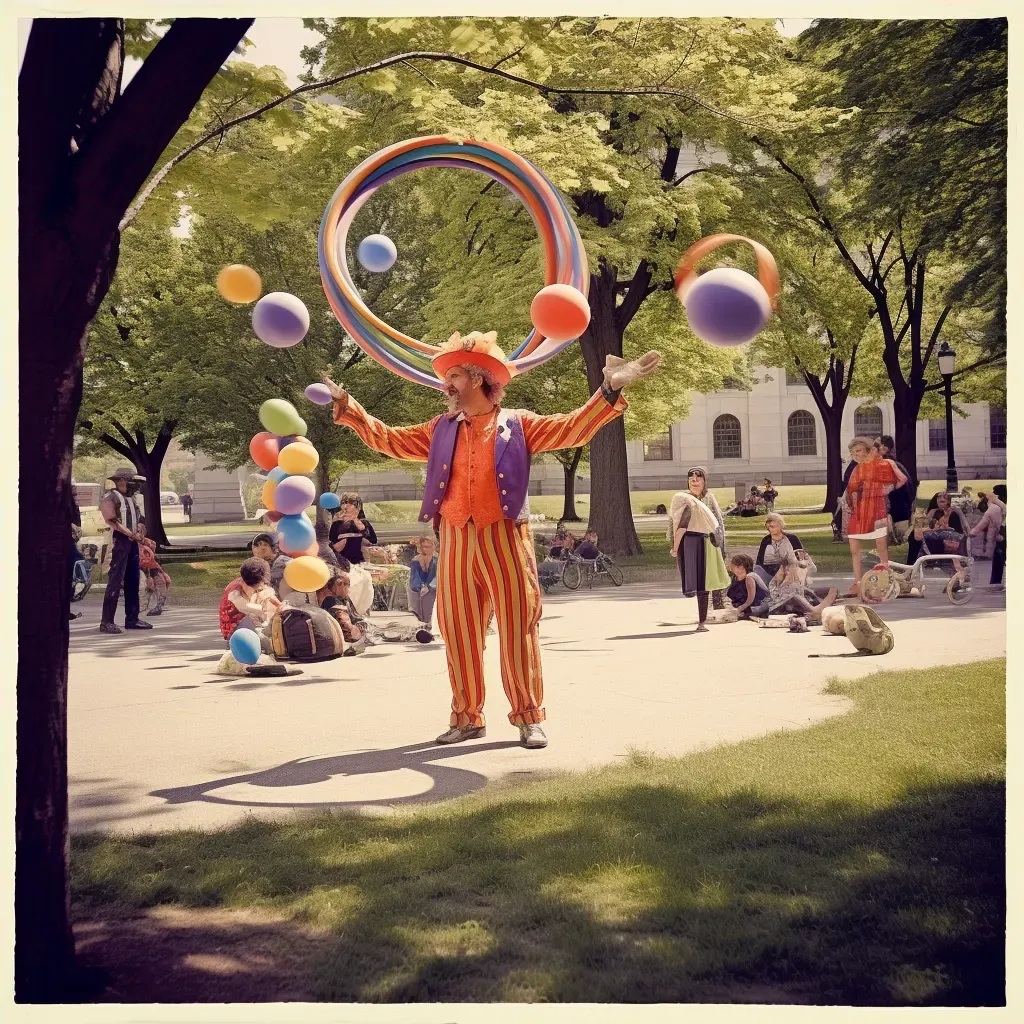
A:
[619,374]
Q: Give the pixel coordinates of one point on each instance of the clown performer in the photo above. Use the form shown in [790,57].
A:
[477,481]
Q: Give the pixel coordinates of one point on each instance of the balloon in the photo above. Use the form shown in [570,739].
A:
[306,574]
[245,646]
[298,458]
[294,495]
[239,284]
[560,312]
[263,450]
[330,500]
[268,496]
[280,417]
[377,253]
[727,306]
[296,532]
[319,394]
[273,517]
[277,474]
[280,319]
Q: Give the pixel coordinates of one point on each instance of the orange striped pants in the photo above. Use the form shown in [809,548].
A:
[481,570]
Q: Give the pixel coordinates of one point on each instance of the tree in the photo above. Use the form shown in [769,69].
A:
[910,190]
[84,151]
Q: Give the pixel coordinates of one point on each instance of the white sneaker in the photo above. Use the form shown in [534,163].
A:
[532,737]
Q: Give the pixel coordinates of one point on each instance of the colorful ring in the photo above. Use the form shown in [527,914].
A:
[565,260]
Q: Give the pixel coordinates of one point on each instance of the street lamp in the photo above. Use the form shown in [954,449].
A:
[947,364]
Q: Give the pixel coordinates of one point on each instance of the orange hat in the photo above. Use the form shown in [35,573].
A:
[478,350]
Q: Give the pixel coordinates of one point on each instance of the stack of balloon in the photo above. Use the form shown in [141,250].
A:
[282,450]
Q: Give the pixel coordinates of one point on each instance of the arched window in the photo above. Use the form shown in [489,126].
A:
[867,421]
[803,436]
[996,427]
[726,437]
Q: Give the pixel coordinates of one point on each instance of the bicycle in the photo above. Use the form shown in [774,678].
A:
[576,568]
[81,579]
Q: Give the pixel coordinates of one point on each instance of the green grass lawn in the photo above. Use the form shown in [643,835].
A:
[859,861]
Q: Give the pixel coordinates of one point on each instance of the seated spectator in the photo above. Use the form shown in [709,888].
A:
[248,602]
[568,546]
[769,495]
[555,551]
[422,588]
[264,545]
[334,598]
[775,547]
[588,548]
[946,529]
[789,591]
[748,592]
[351,533]
[157,581]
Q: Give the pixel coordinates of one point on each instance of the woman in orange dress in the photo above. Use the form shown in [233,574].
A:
[872,479]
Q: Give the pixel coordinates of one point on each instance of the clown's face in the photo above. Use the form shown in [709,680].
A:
[459,386]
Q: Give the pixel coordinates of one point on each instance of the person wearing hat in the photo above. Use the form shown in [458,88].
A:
[477,481]
[122,515]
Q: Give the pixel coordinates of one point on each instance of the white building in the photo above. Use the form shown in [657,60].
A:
[772,431]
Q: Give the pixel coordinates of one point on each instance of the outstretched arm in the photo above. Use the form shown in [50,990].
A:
[575,429]
[409,443]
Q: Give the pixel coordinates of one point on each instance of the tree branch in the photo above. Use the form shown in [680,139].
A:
[935,334]
[995,357]
[141,124]
[404,58]
[638,291]
[823,217]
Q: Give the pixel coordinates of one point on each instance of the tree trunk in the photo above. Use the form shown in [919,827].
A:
[150,465]
[906,408]
[569,504]
[83,154]
[833,421]
[610,512]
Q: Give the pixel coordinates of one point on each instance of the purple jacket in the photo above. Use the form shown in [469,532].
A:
[511,466]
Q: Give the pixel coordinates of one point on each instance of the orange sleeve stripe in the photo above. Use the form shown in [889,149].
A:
[411,444]
[570,429]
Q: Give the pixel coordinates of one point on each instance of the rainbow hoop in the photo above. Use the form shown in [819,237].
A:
[565,260]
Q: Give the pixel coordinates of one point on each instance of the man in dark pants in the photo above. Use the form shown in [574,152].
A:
[121,514]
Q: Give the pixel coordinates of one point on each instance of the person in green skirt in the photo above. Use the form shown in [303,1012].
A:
[696,537]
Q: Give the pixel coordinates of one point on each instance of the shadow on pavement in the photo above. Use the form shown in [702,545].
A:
[448,781]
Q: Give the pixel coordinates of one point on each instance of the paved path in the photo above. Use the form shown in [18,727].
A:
[158,741]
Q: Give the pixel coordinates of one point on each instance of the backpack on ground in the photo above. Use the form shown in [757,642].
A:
[307,633]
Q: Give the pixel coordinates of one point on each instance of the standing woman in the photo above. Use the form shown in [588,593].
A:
[351,531]
[701,474]
[872,479]
[422,589]
[692,529]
